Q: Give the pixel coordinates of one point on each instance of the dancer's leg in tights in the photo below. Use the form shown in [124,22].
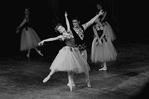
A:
[87,79]
[49,76]
[84,54]
[70,80]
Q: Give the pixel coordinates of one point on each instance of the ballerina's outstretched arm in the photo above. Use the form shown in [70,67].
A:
[51,39]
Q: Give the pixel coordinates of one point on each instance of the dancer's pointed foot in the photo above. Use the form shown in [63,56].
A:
[88,84]
[39,52]
[70,86]
[46,79]
[104,68]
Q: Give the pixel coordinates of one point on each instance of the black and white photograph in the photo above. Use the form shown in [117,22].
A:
[74,49]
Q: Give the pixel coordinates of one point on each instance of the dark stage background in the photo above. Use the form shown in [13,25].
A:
[127,17]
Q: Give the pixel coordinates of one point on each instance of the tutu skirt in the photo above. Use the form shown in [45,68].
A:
[70,59]
[29,39]
[109,31]
[103,52]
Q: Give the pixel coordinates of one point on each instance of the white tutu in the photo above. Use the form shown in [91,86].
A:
[110,32]
[104,51]
[69,59]
[29,39]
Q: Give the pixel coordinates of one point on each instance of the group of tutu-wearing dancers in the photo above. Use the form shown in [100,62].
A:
[72,58]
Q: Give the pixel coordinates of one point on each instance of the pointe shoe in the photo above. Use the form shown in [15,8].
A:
[88,83]
[70,86]
[46,79]
[104,68]
[39,52]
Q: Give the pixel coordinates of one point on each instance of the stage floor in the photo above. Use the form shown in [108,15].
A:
[125,78]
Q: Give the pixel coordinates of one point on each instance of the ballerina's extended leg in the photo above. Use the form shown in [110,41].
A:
[49,76]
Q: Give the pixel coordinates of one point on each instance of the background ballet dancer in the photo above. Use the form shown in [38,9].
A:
[29,38]
[102,48]
[69,58]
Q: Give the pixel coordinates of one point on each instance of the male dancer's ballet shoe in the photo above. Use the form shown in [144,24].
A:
[88,83]
[104,68]
[46,79]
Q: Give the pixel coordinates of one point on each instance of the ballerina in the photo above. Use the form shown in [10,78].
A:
[102,48]
[29,38]
[69,58]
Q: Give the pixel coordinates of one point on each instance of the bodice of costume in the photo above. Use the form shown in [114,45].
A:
[27,24]
[79,38]
[100,33]
[69,40]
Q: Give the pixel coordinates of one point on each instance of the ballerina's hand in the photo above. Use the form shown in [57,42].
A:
[66,14]
[101,12]
[40,43]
